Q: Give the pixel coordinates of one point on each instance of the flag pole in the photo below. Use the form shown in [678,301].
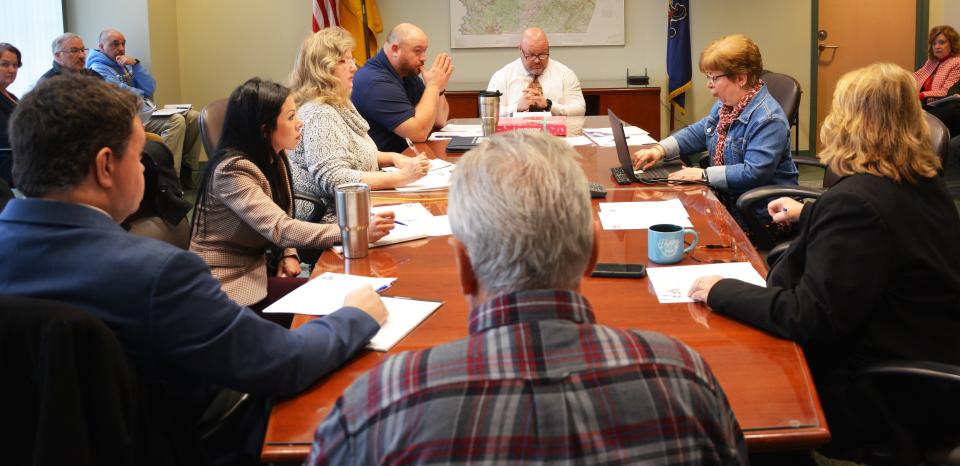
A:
[366,48]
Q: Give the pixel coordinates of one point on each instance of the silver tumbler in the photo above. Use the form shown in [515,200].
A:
[489,103]
[353,215]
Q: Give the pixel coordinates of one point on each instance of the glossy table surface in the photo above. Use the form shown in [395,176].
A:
[765,378]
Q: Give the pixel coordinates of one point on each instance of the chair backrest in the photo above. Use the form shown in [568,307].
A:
[73,387]
[211,124]
[786,91]
[940,137]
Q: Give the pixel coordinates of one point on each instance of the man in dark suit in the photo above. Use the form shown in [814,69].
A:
[77,142]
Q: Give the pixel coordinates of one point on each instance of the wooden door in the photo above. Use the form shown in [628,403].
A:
[858,33]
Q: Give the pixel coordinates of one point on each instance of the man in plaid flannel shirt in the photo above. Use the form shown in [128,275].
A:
[537,380]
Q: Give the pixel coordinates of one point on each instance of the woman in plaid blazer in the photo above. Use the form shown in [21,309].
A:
[245,203]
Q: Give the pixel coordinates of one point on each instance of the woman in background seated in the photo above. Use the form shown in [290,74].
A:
[746,135]
[335,148]
[939,77]
[245,204]
[10,63]
[942,68]
[875,272]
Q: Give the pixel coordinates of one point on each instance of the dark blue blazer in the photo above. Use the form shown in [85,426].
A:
[168,312]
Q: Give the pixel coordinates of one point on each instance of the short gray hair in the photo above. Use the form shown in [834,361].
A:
[520,205]
[58,42]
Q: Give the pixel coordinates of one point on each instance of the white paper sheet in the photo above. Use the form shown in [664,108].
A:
[435,179]
[404,315]
[408,212]
[673,283]
[578,141]
[439,225]
[324,294]
[640,215]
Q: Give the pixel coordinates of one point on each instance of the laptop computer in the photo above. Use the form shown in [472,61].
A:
[655,174]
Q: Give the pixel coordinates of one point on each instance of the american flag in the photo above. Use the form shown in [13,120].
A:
[325,14]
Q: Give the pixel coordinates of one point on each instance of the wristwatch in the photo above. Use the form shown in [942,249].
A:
[549,105]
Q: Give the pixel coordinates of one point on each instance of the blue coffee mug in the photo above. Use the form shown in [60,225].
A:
[665,243]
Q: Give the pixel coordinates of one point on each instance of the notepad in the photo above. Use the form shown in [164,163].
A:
[324,295]
[404,315]
[673,283]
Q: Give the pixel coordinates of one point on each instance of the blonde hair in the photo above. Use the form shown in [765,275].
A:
[876,126]
[312,77]
[734,54]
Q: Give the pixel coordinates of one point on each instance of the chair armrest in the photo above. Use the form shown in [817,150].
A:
[809,161]
[309,198]
[921,369]
[774,255]
[746,204]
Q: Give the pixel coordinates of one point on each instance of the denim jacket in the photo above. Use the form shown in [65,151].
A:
[756,152]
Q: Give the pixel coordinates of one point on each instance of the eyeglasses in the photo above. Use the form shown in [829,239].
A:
[74,50]
[713,79]
[540,57]
[10,64]
[117,43]
[347,61]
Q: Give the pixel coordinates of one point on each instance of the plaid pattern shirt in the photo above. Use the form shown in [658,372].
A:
[536,381]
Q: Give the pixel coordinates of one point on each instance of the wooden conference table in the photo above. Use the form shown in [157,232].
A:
[765,378]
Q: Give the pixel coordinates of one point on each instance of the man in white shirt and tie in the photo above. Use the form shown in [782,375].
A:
[533,82]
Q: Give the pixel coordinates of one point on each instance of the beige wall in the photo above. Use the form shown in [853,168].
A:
[88,17]
[220,43]
[164,53]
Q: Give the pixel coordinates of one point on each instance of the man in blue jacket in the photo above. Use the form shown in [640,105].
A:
[77,144]
[181,133]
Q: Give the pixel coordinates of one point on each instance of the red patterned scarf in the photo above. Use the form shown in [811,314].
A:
[727,115]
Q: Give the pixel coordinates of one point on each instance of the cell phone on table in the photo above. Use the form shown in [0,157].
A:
[619,270]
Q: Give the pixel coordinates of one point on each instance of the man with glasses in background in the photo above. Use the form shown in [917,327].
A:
[180,132]
[69,54]
[534,83]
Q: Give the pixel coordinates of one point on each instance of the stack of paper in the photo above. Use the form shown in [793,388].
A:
[673,283]
[604,136]
[640,215]
[451,130]
[170,109]
[403,315]
[324,295]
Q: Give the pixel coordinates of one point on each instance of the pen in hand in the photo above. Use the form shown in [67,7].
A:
[411,146]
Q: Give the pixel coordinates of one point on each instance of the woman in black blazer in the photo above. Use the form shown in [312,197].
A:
[875,272]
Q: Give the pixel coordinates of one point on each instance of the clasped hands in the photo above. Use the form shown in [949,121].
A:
[531,97]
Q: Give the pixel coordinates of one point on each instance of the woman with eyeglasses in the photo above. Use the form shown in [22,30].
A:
[746,135]
[244,211]
[335,148]
[10,63]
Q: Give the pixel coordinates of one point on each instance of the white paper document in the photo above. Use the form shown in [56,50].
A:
[673,283]
[603,137]
[578,141]
[640,215]
[435,179]
[450,131]
[439,225]
[404,315]
[324,295]
[162,112]
[408,212]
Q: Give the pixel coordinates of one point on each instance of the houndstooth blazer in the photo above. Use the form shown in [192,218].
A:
[241,220]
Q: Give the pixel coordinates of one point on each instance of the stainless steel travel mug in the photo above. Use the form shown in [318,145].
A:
[353,215]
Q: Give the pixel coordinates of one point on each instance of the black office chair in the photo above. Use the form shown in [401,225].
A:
[912,410]
[70,395]
[787,92]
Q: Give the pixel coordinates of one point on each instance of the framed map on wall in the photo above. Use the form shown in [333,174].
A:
[499,23]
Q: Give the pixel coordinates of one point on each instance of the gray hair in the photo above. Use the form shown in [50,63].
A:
[58,42]
[520,205]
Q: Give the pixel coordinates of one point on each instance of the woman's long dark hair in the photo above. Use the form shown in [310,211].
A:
[251,119]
